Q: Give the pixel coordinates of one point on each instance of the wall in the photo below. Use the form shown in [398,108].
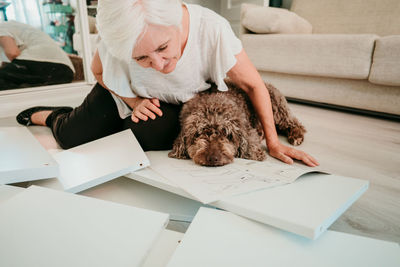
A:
[286,4]
[211,4]
[232,14]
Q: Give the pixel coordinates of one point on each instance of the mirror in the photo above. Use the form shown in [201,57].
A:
[41,44]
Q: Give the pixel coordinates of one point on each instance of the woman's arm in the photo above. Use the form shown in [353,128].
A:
[10,47]
[245,75]
[97,70]
[143,108]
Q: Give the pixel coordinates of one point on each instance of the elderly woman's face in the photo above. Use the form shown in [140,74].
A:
[159,48]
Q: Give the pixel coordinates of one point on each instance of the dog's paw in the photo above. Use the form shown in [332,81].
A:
[296,136]
[172,154]
[257,154]
[261,156]
[176,155]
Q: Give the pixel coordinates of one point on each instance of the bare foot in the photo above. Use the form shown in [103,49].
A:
[39,118]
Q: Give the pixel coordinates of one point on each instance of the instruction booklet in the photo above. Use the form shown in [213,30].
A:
[209,184]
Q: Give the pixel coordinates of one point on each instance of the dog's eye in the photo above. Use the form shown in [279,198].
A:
[230,137]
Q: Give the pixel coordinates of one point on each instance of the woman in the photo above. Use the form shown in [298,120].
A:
[153,56]
[31,58]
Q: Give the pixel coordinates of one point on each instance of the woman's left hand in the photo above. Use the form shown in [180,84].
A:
[287,154]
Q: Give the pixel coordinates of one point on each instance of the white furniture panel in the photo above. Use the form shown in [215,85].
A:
[22,157]
[100,161]
[133,193]
[8,191]
[218,238]
[44,227]
[306,207]
[163,249]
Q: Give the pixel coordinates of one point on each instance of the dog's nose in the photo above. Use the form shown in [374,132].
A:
[212,159]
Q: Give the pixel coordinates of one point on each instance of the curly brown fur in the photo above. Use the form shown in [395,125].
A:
[218,126]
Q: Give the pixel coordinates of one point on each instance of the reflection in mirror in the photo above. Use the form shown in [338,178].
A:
[36,44]
[91,7]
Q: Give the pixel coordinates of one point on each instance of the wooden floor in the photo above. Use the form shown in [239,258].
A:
[345,144]
[361,147]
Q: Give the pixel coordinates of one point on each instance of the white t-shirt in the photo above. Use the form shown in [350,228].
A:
[34,44]
[208,55]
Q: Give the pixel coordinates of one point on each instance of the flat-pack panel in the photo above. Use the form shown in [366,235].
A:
[23,158]
[163,249]
[8,191]
[218,238]
[99,161]
[306,207]
[45,227]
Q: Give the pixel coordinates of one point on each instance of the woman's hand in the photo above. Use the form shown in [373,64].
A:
[143,108]
[287,154]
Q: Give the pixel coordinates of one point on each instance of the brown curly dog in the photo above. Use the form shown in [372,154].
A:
[218,126]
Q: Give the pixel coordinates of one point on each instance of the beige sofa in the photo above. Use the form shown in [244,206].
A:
[351,59]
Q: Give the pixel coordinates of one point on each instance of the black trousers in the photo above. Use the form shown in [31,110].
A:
[98,117]
[27,73]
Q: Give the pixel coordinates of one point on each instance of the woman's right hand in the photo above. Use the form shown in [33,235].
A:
[144,108]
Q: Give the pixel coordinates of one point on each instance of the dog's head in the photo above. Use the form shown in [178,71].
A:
[212,146]
[210,142]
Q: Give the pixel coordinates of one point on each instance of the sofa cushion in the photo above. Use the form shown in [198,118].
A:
[385,68]
[359,94]
[380,17]
[324,55]
[259,19]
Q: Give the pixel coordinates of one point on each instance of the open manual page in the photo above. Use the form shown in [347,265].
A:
[209,184]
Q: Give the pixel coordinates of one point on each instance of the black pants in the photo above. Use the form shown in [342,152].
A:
[98,117]
[27,73]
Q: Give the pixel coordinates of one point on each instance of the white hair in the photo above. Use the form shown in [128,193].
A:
[121,22]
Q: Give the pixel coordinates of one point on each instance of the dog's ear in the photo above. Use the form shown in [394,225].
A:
[243,149]
[179,150]
[239,137]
